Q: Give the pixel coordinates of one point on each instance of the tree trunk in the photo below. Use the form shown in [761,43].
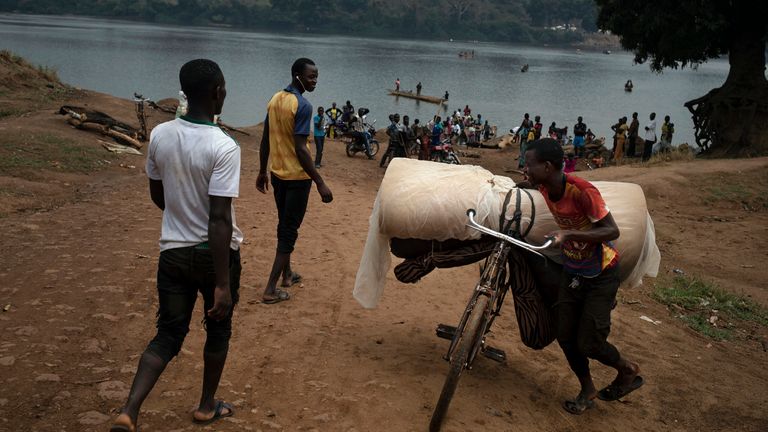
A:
[730,120]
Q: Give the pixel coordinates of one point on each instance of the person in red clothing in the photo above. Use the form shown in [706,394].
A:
[591,274]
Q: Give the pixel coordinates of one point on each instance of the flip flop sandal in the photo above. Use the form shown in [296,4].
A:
[614,391]
[123,423]
[280,297]
[578,406]
[217,413]
[295,278]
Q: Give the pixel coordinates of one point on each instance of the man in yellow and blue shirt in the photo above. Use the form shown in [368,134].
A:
[284,152]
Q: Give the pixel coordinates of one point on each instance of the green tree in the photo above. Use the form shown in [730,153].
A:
[729,120]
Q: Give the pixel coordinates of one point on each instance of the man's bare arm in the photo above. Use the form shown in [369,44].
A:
[157,193]
[262,180]
[305,159]
[603,230]
[219,237]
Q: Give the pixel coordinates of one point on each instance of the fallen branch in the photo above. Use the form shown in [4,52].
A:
[96,121]
[163,108]
[230,128]
[124,138]
[119,148]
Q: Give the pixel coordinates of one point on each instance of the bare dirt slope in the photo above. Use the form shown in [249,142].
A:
[79,277]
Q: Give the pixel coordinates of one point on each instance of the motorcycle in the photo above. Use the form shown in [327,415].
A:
[444,153]
[339,125]
[356,145]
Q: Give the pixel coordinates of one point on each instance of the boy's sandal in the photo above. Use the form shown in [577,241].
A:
[280,296]
[218,413]
[123,423]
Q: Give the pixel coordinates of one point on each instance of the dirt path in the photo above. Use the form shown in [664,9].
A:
[80,281]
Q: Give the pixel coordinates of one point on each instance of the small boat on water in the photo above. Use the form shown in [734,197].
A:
[524,68]
[412,95]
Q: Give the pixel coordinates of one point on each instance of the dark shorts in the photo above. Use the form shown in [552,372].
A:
[291,198]
[181,274]
[584,318]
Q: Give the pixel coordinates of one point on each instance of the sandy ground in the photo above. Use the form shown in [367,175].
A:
[78,269]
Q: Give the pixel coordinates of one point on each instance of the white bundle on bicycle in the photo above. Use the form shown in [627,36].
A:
[427,200]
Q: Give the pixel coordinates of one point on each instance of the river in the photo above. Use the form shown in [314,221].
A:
[120,58]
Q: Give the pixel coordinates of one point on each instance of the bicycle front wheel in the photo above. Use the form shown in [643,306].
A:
[470,338]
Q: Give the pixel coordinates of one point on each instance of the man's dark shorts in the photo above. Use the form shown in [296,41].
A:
[584,318]
[181,274]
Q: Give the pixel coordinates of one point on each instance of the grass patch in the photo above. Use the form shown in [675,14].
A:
[22,155]
[698,302]
[49,73]
[748,196]
[12,57]
[10,112]
[681,153]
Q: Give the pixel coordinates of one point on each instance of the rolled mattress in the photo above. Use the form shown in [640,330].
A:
[427,200]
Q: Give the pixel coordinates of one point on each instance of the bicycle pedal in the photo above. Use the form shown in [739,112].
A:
[495,354]
[445,331]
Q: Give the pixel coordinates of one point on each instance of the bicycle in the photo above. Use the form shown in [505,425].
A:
[468,338]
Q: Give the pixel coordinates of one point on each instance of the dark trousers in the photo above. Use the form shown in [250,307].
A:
[319,144]
[394,149]
[584,320]
[647,149]
[291,197]
[363,138]
[181,274]
[630,151]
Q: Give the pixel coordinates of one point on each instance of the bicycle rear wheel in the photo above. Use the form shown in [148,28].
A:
[469,340]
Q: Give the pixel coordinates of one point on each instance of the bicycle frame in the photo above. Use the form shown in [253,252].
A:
[491,284]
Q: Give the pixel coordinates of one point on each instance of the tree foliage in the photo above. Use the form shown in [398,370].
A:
[674,34]
[498,20]
[728,120]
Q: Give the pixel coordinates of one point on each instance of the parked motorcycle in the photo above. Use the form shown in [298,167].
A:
[444,153]
[340,126]
[356,145]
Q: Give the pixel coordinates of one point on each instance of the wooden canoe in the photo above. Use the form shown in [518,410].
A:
[412,95]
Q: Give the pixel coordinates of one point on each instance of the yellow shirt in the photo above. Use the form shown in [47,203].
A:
[288,114]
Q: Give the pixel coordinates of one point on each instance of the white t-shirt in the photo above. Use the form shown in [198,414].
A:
[194,161]
[357,124]
[650,133]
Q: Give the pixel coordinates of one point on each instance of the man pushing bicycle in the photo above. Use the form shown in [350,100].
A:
[587,293]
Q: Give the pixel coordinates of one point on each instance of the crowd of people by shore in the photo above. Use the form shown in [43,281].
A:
[405,138]
[626,139]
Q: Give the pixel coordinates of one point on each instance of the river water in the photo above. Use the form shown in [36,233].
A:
[121,58]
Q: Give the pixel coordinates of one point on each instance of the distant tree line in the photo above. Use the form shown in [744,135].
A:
[527,21]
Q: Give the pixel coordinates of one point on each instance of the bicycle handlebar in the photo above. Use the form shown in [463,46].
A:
[529,247]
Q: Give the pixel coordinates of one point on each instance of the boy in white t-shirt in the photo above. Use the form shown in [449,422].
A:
[194,172]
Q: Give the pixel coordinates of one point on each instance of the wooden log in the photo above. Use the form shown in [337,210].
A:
[124,138]
[94,127]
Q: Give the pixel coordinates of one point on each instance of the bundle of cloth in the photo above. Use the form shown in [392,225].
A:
[420,213]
